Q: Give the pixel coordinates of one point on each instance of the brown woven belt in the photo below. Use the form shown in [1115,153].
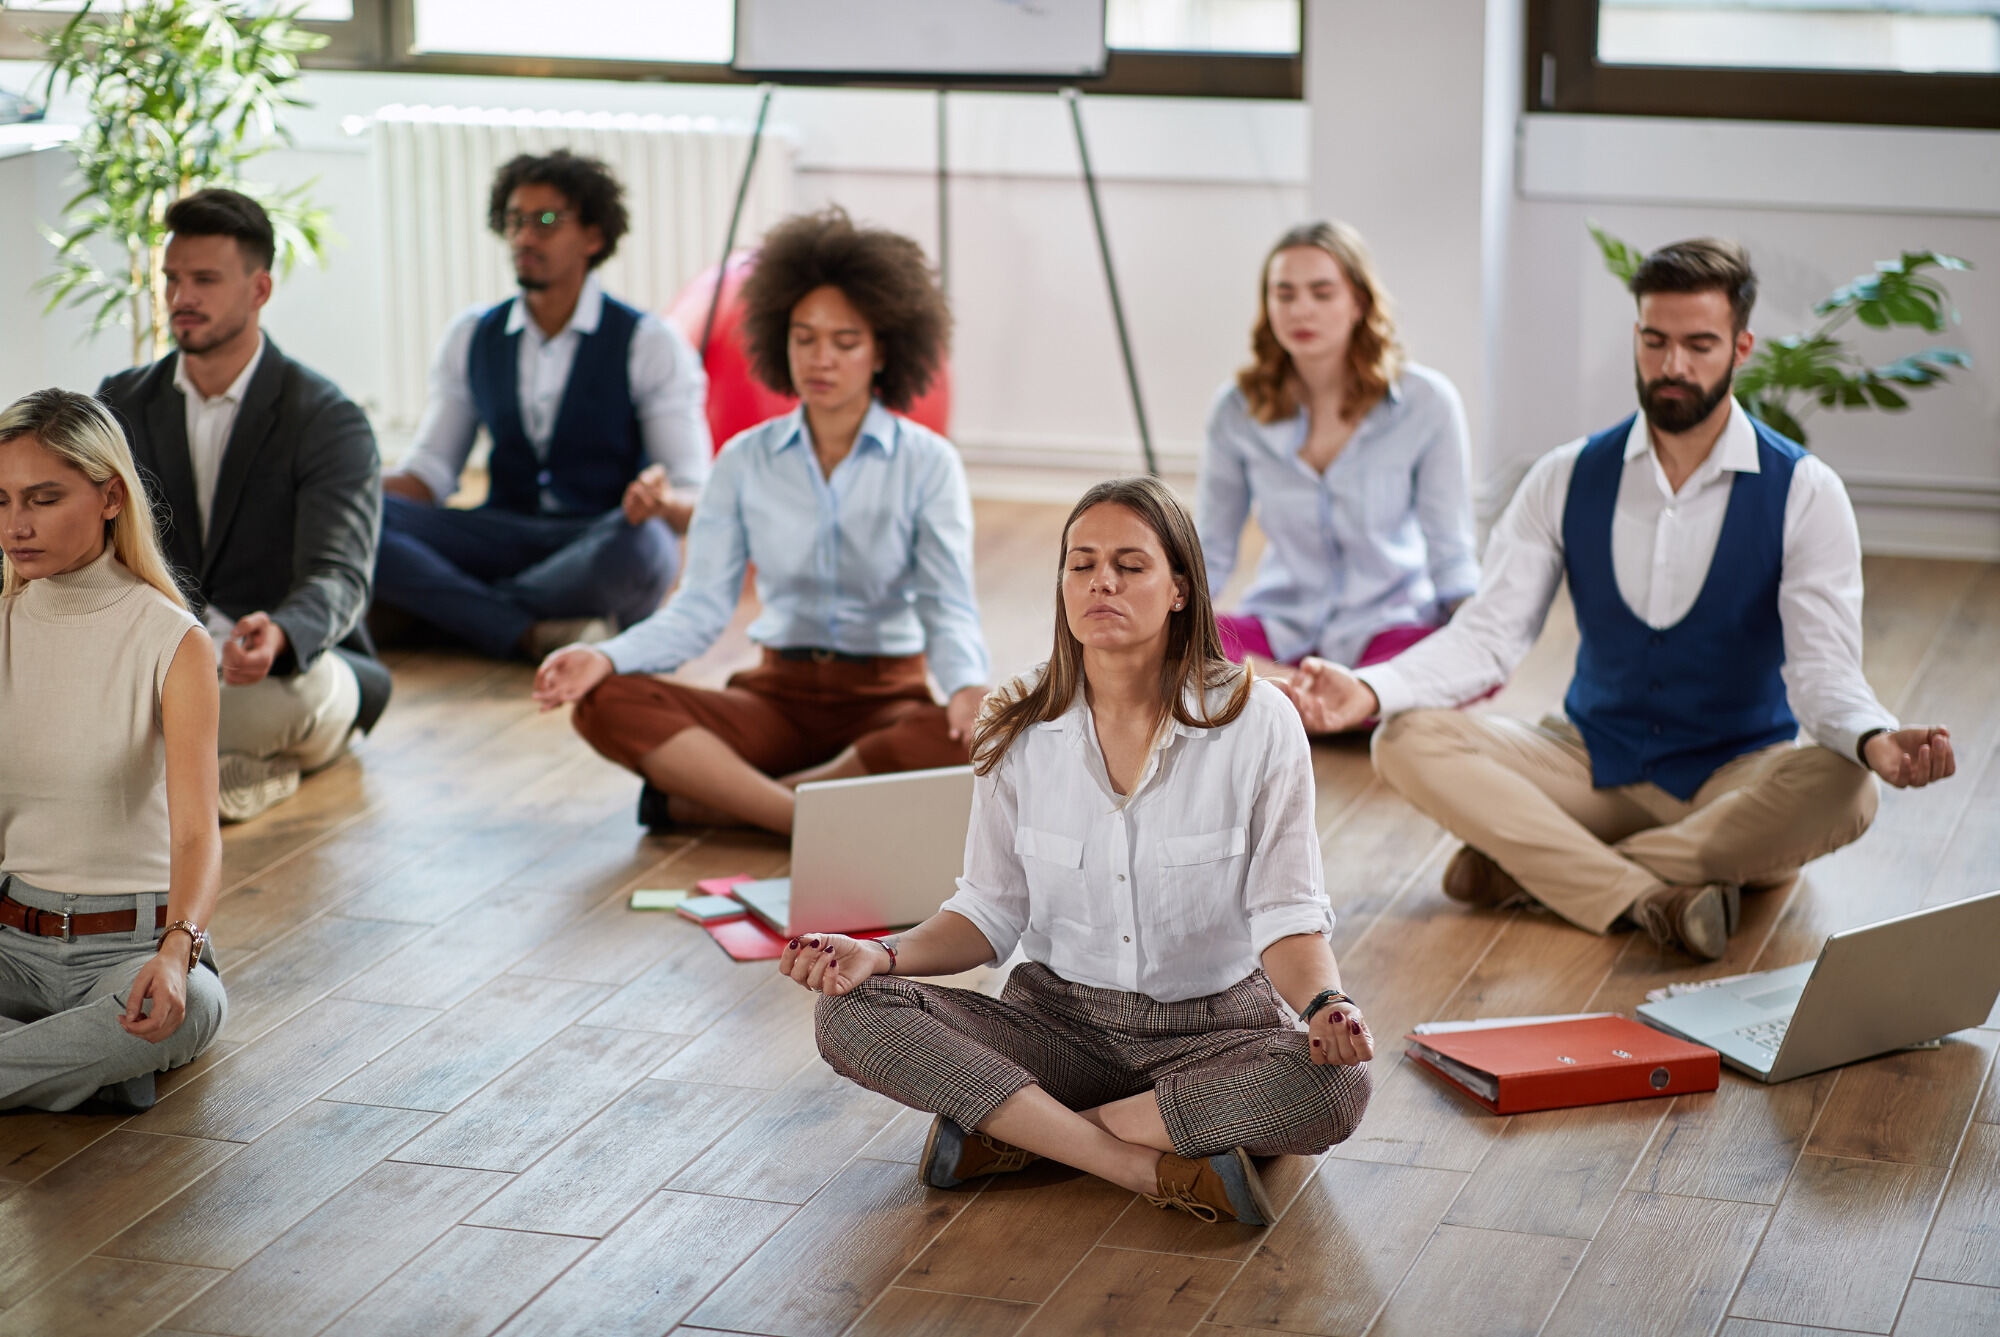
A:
[68,927]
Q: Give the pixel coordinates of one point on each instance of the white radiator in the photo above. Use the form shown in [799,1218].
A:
[434,166]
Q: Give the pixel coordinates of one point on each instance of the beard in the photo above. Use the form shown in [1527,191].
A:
[529,284]
[1674,415]
[207,338]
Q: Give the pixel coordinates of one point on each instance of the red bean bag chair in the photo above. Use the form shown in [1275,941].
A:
[737,399]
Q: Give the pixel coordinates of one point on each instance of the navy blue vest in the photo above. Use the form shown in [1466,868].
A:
[1670,706]
[595,449]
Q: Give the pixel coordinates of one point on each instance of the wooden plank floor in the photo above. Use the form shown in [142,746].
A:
[462,1090]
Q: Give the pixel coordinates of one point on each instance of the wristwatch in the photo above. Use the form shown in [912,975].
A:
[1861,744]
[197,939]
[1321,999]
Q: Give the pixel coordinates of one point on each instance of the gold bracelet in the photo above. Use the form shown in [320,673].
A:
[197,939]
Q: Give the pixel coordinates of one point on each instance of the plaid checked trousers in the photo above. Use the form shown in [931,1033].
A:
[1229,1069]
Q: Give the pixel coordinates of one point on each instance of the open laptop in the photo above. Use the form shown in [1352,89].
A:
[879,851]
[1873,989]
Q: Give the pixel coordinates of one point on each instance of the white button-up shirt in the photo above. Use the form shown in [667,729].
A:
[1173,891]
[669,393]
[1662,544]
[210,420]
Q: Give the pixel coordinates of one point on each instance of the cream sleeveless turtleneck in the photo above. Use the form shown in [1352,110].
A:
[83,761]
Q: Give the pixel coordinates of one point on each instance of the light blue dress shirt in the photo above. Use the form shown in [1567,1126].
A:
[876,560]
[1382,539]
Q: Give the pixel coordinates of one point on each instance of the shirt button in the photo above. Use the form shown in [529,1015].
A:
[1128,937]
[544,478]
[1121,877]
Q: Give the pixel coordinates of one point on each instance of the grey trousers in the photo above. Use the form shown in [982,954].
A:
[60,1040]
[1229,1070]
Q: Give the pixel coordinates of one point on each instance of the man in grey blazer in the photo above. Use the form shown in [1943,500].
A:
[268,481]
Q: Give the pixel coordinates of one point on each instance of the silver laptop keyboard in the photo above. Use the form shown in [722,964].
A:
[1767,1035]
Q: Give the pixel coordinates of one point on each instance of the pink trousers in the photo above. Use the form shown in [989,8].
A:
[1243,635]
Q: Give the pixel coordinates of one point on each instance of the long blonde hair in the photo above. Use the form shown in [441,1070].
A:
[1374,354]
[81,432]
[1194,647]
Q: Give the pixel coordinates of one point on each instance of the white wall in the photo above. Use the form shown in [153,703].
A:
[1477,214]
[1193,192]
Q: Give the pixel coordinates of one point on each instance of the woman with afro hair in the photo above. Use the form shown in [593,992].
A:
[859,526]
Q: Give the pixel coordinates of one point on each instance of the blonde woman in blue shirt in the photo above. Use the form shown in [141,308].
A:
[1354,460]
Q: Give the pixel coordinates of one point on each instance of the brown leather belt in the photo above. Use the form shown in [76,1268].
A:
[68,927]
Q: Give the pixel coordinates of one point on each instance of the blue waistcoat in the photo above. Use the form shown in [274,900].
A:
[595,448]
[1673,705]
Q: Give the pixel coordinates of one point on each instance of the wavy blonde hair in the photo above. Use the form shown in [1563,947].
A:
[1374,353]
[1194,648]
[81,432]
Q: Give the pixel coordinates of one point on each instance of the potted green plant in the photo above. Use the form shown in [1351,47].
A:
[1791,376]
[181,95]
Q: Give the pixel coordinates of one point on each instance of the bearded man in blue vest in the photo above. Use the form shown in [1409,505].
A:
[600,443]
[1715,569]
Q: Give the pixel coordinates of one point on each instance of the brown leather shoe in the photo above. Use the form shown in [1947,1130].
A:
[1473,879]
[1221,1188]
[1695,920]
[952,1155]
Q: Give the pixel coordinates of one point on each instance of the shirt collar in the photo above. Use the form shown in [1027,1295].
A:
[1735,449]
[878,425]
[589,311]
[234,394]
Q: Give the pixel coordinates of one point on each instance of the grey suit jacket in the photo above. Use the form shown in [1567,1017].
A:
[298,500]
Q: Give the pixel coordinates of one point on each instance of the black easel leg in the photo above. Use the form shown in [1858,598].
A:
[735,218]
[943,202]
[1074,101]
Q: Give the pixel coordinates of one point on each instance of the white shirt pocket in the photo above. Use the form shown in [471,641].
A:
[1201,880]
[1058,892]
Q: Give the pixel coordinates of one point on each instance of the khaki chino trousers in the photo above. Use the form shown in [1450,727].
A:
[1521,794]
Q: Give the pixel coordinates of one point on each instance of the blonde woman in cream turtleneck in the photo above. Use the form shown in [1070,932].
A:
[109,852]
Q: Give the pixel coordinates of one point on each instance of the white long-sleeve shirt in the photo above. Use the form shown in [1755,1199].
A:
[1662,544]
[1173,891]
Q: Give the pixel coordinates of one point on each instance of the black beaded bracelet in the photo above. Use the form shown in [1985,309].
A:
[1322,999]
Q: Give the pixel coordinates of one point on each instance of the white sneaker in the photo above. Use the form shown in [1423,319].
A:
[552,634]
[252,784]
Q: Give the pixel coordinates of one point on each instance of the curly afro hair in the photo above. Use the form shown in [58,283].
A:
[884,274]
[586,183]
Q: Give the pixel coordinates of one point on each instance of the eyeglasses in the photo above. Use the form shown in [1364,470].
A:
[542,222]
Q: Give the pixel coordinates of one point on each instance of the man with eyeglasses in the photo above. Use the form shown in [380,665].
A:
[600,440]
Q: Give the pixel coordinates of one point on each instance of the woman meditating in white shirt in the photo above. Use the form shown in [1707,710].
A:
[109,852]
[1354,459]
[1143,829]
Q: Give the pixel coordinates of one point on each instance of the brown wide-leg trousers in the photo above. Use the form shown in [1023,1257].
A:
[1521,794]
[782,716]
[1230,1069]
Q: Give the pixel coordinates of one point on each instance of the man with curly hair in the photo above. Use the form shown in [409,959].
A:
[859,526]
[600,439]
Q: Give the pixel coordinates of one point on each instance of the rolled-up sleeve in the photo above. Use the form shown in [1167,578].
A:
[1222,490]
[1284,887]
[451,420]
[718,549]
[1444,503]
[670,390]
[993,893]
[941,565]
